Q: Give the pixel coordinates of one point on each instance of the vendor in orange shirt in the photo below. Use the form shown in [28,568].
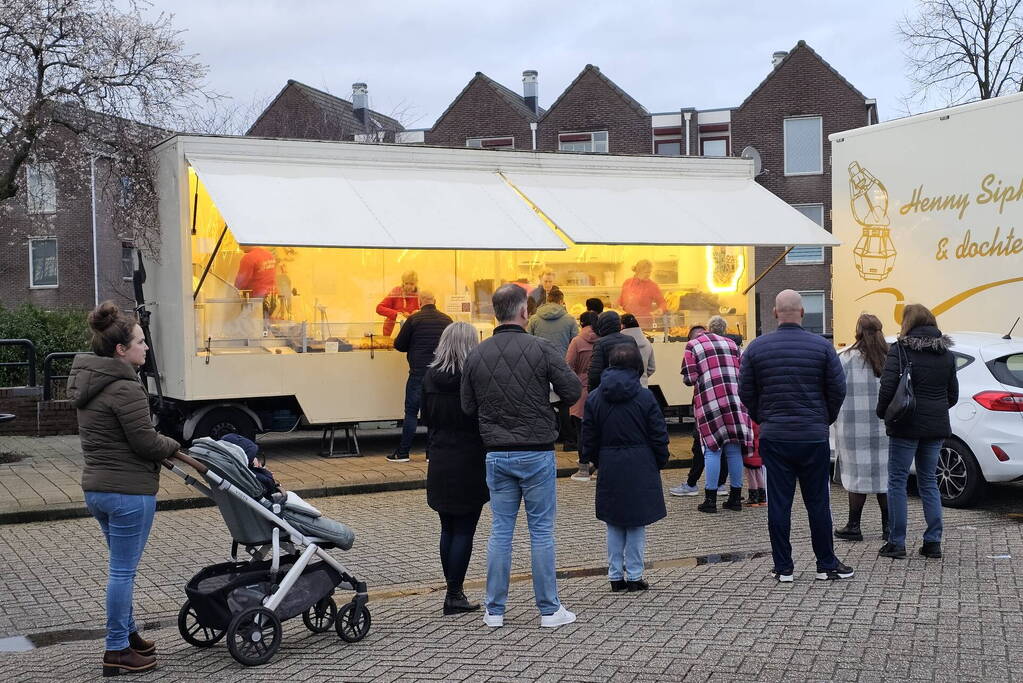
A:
[403,300]
[641,296]
[257,275]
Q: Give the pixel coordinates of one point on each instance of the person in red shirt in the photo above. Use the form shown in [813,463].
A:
[257,272]
[402,300]
[641,296]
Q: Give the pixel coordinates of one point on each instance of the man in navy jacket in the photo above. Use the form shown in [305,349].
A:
[793,386]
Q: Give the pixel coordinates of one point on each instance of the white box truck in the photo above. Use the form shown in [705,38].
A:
[929,209]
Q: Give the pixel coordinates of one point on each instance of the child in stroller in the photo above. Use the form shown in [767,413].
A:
[290,572]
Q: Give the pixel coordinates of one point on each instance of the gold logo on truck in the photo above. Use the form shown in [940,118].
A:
[868,200]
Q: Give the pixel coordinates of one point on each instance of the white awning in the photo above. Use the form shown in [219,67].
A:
[659,209]
[322,204]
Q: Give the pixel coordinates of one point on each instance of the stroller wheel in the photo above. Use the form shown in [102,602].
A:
[320,617]
[193,632]
[254,636]
[352,622]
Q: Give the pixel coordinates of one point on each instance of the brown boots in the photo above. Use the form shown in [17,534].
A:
[138,656]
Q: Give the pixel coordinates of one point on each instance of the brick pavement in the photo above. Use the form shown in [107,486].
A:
[45,484]
[957,619]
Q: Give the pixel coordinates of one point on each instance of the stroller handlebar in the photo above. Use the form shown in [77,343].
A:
[188,460]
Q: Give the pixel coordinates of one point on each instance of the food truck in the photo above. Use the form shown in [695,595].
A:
[286,267]
[929,209]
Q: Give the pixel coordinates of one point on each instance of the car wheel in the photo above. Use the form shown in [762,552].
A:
[225,420]
[959,477]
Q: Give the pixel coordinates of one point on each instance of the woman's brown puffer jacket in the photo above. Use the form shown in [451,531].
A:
[122,449]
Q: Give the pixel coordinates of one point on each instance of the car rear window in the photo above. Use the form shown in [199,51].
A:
[1008,369]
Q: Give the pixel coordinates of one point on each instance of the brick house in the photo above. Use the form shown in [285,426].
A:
[59,246]
[595,115]
[486,114]
[787,119]
[301,111]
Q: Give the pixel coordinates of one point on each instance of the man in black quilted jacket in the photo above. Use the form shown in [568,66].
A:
[793,386]
[418,338]
[506,383]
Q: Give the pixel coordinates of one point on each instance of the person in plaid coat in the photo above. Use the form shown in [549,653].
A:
[711,366]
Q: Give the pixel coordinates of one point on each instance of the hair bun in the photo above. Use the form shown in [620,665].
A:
[103,316]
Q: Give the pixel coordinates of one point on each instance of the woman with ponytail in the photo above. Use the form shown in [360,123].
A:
[122,454]
[860,439]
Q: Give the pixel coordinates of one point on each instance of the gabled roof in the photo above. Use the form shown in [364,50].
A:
[334,107]
[517,102]
[800,45]
[589,68]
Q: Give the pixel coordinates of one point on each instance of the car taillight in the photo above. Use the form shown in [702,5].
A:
[1004,401]
[1000,454]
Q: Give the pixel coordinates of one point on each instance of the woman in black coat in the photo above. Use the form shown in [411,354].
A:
[918,436]
[456,477]
[625,438]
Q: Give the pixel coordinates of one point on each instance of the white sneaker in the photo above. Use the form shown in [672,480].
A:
[559,618]
[684,490]
[493,620]
[583,474]
[723,490]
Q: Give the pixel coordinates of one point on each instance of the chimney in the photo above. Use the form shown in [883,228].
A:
[360,101]
[778,56]
[531,90]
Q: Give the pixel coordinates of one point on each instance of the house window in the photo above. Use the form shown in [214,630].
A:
[41,183]
[583,142]
[127,260]
[42,262]
[813,312]
[491,143]
[671,148]
[714,147]
[804,147]
[800,256]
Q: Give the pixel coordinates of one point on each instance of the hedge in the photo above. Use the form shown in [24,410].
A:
[50,331]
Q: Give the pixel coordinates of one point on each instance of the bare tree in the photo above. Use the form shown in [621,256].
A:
[76,76]
[960,50]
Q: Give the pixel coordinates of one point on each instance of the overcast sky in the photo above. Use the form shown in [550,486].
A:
[418,55]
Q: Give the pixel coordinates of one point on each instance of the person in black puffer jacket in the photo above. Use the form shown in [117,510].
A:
[456,478]
[625,436]
[919,436]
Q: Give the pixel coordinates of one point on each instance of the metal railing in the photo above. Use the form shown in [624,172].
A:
[48,377]
[30,358]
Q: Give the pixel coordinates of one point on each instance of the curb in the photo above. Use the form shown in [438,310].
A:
[53,513]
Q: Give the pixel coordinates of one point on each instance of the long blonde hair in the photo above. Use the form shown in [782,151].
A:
[456,342]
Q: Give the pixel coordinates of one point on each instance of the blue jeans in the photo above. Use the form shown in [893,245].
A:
[125,520]
[413,395]
[625,546]
[515,476]
[733,455]
[808,463]
[901,454]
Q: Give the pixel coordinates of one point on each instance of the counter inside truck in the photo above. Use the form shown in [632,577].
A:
[290,265]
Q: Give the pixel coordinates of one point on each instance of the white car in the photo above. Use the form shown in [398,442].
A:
[987,423]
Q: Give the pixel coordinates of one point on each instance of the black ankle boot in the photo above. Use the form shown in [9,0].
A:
[734,501]
[455,602]
[710,501]
[849,532]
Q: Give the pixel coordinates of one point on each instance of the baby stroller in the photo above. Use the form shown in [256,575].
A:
[289,571]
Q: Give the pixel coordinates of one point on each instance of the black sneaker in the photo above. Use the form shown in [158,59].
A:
[931,549]
[618,585]
[849,533]
[782,577]
[637,585]
[896,552]
[840,572]
[398,457]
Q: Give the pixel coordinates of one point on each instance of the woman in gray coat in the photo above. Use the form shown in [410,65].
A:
[860,440]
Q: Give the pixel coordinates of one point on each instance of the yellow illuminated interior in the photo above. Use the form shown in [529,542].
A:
[331,294]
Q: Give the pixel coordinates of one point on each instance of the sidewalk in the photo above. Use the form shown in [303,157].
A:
[44,485]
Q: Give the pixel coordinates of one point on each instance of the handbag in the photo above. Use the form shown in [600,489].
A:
[903,403]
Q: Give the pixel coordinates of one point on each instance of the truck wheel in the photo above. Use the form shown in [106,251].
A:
[225,420]
[959,477]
